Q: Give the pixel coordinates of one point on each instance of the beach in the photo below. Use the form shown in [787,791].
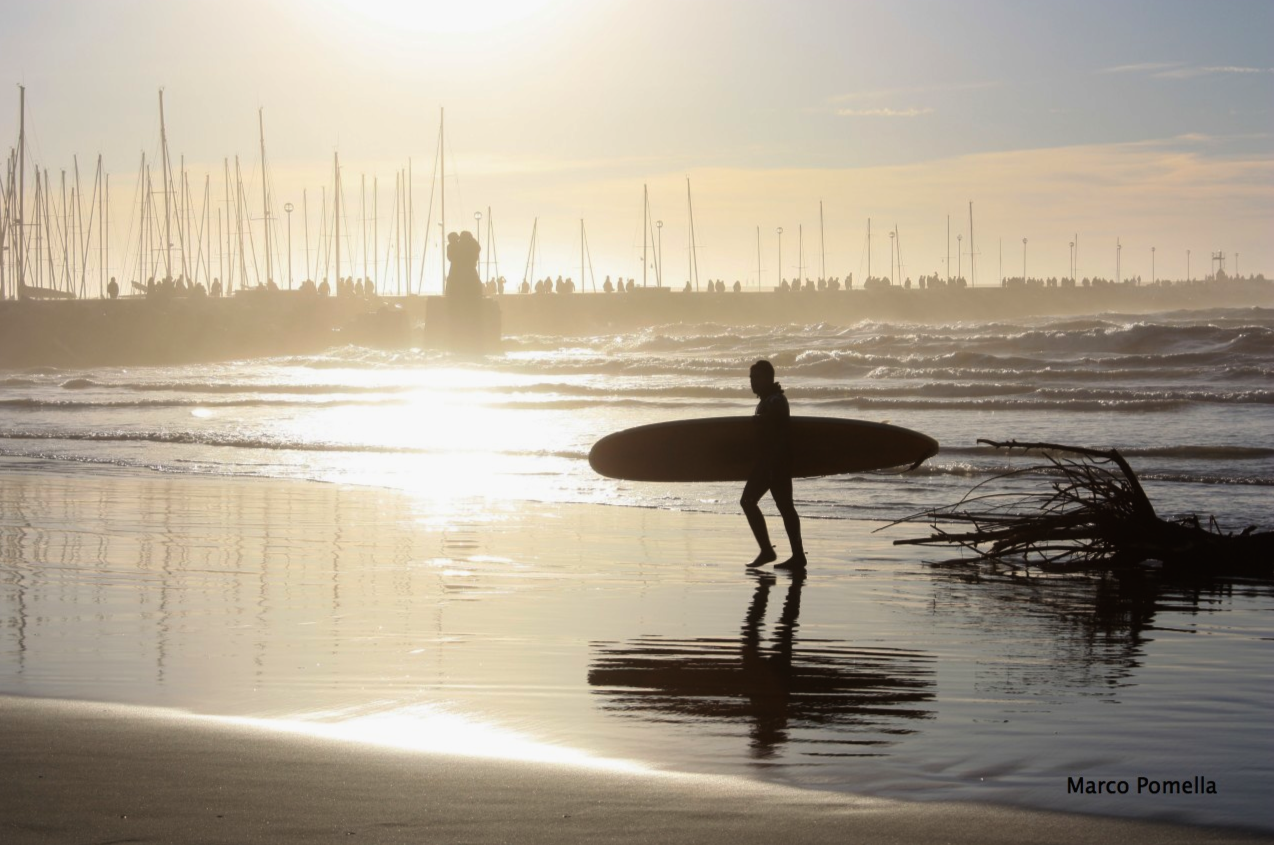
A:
[196,658]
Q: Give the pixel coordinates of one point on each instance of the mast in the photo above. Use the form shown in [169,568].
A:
[694,254]
[336,212]
[898,240]
[973,276]
[758,257]
[645,216]
[442,177]
[106,223]
[228,276]
[265,197]
[101,233]
[822,249]
[163,142]
[362,213]
[868,248]
[305,216]
[800,254]
[410,220]
[22,191]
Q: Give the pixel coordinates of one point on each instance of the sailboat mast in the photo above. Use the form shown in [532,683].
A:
[645,216]
[822,249]
[442,179]
[362,213]
[973,276]
[336,213]
[410,220]
[758,257]
[22,191]
[694,254]
[163,142]
[265,197]
[229,274]
[869,247]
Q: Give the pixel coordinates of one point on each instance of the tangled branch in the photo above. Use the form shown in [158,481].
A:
[1095,514]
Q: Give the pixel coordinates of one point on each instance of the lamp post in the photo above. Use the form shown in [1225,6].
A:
[891,255]
[780,255]
[659,251]
[288,208]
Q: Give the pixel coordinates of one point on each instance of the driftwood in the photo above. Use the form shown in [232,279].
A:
[1095,515]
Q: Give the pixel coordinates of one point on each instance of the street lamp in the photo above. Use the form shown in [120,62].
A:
[659,252]
[891,254]
[288,208]
[780,255]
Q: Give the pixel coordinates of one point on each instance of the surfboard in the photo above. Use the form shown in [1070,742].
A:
[725,449]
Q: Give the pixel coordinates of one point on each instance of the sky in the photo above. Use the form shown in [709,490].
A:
[1147,125]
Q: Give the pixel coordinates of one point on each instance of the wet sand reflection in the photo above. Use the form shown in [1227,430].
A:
[856,701]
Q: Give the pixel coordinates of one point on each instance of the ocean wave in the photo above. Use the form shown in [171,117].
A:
[978,471]
[1192,452]
[207,438]
[73,405]
[234,387]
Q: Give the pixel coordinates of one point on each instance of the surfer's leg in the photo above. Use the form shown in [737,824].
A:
[781,490]
[750,501]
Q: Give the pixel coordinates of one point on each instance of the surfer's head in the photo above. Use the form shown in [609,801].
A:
[762,376]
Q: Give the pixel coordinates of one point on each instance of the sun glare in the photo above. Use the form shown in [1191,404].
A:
[414,16]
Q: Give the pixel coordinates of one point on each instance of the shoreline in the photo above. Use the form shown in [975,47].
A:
[108,772]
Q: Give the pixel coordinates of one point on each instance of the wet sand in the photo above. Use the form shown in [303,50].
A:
[285,661]
[88,772]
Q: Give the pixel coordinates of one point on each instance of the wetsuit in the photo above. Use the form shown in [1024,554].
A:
[773,470]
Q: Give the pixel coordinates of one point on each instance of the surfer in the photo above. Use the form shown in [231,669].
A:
[773,470]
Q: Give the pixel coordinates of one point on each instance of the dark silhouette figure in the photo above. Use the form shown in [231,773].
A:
[112,289]
[773,470]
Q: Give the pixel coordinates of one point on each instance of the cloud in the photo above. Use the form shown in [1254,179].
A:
[881,93]
[1180,70]
[884,112]
[1192,72]
[1143,67]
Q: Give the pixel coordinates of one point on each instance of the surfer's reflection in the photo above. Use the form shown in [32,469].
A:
[846,701]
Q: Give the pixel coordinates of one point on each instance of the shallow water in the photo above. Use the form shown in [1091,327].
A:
[635,637]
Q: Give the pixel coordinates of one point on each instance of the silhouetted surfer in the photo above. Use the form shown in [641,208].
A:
[773,470]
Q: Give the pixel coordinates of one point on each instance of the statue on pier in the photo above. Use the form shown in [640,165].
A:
[462,274]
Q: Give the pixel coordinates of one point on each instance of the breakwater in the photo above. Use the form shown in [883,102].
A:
[253,324]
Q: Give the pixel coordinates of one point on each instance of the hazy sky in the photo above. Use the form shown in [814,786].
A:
[1151,122]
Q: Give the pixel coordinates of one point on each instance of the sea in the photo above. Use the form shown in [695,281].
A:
[1186,397]
[899,671]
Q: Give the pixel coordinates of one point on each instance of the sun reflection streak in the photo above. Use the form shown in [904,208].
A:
[434,730]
